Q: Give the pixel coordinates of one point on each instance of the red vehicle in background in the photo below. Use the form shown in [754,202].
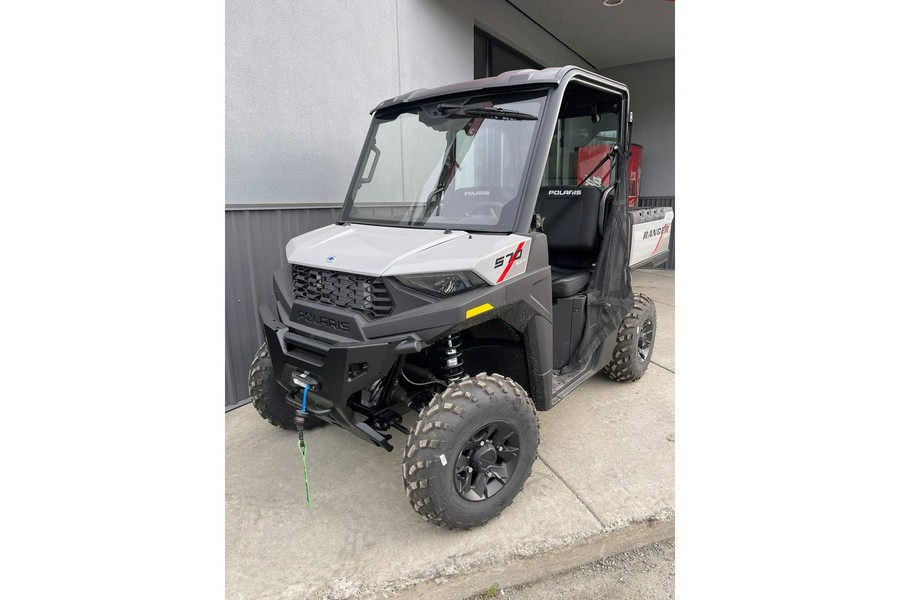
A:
[588,156]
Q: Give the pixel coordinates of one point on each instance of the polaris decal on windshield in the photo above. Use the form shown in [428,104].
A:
[507,261]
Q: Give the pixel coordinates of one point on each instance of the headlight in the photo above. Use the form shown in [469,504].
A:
[442,284]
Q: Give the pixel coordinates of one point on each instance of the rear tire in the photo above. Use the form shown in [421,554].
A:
[268,396]
[634,342]
[471,451]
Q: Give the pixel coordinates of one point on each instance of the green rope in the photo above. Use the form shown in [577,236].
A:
[302,447]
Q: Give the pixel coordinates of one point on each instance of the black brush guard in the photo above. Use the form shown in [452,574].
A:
[342,371]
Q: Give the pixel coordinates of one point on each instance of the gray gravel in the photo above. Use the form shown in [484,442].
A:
[647,573]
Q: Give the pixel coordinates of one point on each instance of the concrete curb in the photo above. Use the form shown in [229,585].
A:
[518,571]
[515,569]
[523,569]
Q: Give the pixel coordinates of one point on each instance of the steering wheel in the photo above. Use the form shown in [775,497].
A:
[487,209]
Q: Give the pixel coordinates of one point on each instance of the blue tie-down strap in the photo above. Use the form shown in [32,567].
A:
[302,446]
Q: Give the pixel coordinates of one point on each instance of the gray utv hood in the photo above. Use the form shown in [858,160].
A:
[363,249]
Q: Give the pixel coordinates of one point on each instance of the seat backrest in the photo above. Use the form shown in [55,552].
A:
[571,217]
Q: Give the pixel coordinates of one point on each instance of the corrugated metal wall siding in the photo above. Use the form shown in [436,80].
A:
[254,249]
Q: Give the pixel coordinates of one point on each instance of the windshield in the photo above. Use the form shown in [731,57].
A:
[456,164]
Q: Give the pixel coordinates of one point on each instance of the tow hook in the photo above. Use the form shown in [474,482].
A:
[305,380]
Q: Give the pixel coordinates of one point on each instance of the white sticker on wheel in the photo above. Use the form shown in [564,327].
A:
[443,460]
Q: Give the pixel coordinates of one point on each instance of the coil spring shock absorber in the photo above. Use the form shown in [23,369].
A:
[451,359]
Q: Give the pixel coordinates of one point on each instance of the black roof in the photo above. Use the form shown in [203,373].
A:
[551,76]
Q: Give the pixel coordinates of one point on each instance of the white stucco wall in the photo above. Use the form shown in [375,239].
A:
[301,77]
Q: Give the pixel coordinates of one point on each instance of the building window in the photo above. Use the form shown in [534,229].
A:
[493,57]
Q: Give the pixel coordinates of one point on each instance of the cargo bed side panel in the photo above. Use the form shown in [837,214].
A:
[651,230]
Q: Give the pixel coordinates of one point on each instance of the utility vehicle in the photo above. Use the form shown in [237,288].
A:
[473,278]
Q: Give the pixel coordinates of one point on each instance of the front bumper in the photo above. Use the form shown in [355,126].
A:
[343,369]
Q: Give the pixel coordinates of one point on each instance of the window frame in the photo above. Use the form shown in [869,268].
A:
[488,60]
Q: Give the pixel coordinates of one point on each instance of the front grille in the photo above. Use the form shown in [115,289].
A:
[361,293]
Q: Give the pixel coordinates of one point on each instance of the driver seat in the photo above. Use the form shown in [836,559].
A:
[572,225]
[568,282]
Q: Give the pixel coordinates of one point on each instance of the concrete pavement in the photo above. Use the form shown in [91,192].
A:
[603,484]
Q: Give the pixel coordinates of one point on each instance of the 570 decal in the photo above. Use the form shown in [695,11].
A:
[501,260]
[508,259]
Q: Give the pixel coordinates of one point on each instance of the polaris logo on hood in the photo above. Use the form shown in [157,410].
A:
[477,193]
[655,232]
[564,192]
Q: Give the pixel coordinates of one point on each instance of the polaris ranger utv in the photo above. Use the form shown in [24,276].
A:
[473,277]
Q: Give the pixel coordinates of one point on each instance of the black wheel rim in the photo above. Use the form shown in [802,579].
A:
[645,340]
[487,461]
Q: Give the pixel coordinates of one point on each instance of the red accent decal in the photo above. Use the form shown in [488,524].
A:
[509,265]
[662,233]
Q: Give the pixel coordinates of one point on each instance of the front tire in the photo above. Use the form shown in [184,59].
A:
[268,396]
[634,342]
[471,451]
